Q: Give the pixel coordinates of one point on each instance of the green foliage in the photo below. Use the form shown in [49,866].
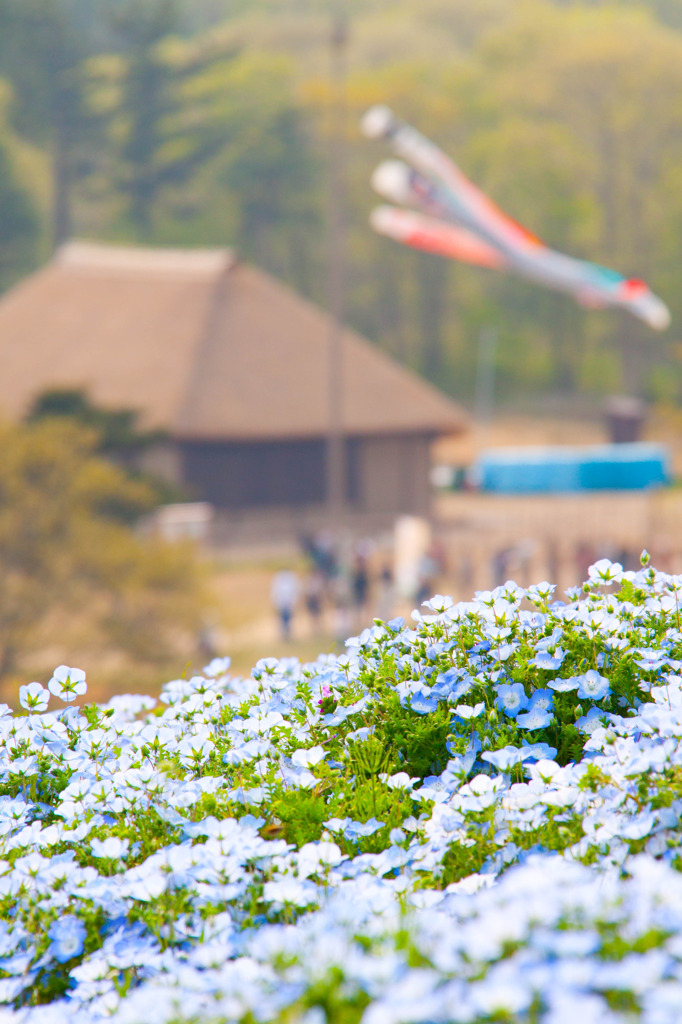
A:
[261,822]
[116,428]
[418,741]
[19,224]
[19,217]
[117,437]
[300,816]
[188,124]
[42,49]
[65,550]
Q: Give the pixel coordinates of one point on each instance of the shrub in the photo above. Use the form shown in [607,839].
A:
[471,818]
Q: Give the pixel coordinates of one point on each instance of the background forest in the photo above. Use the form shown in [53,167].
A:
[206,122]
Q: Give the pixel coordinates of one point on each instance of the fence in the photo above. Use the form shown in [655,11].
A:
[486,539]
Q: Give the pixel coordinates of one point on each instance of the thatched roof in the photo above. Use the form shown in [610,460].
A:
[202,345]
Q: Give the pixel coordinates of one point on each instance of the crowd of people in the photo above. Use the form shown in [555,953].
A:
[345,585]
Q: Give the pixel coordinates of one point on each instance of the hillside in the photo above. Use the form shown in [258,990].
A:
[201,125]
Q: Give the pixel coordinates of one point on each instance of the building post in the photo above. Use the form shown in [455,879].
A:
[336,446]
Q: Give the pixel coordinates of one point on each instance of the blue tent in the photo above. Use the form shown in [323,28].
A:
[608,467]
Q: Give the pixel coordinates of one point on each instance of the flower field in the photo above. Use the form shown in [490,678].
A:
[472,817]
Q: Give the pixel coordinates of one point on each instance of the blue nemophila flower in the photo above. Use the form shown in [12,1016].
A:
[549,661]
[504,758]
[497,632]
[481,647]
[541,699]
[534,718]
[359,830]
[265,667]
[34,697]
[651,660]
[213,872]
[360,735]
[67,683]
[433,651]
[564,685]
[594,719]
[512,698]
[309,758]
[453,684]
[68,938]
[537,751]
[423,702]
[337,824]
[461,764]
[368,635]
[400,780]
[592,686]
[504,651]
[439,603]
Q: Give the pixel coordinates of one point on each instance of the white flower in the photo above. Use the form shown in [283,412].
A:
[217,667]
[466,711]
[34,697]
[112,847]
[605,571]
[438,603]
[540,591]
[67,683]
[308,758]
[400,780]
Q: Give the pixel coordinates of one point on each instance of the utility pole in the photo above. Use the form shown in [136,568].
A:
[336,445]
[484,399]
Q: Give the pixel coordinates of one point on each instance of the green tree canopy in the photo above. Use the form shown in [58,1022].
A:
[192,125]
[19,215]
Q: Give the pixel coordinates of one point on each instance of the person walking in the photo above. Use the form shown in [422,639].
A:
[386,598]
[284,595]
[314,588]
[360,587]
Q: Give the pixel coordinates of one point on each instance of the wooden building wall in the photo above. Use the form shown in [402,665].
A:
[393,474]
[385,475]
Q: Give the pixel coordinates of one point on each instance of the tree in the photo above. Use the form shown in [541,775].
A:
[116,437]
[64,548]
[568,113]
[581,144]
[151,101]
[41,52]
[19,218]
[116,429]
[270,169]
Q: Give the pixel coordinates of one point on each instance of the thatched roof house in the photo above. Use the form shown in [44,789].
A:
[231,364]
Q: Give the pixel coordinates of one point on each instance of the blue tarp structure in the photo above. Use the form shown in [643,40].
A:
[608,467]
